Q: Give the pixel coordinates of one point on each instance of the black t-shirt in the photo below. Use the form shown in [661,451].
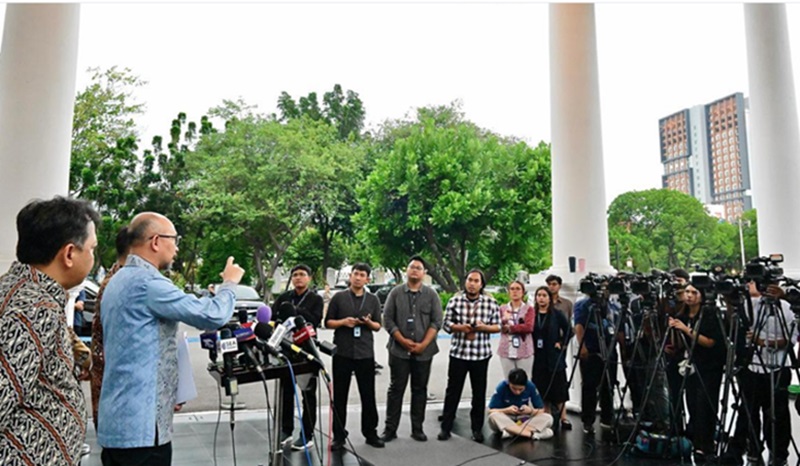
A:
[712,358]
[309,305]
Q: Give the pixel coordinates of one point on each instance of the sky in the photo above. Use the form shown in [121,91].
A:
[654,60]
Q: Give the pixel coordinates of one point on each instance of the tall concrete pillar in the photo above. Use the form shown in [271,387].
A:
[38,62]
[580,228]
[579,193]
[774,138]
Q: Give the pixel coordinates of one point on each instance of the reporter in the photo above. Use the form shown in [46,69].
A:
[517,409]
[700,327]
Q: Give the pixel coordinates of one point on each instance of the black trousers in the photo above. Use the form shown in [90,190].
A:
[457,372]
[702,403]
[145,456]
[755,389]
[594,382]
[364,370]
[400,370]
[309,397]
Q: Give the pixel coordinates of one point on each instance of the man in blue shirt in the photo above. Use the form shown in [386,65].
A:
[517,409]
[595,333]
[141,311]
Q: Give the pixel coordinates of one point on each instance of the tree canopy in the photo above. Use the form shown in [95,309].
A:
[462,196]
[663,228]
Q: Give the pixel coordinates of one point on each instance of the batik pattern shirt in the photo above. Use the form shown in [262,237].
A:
[42,408]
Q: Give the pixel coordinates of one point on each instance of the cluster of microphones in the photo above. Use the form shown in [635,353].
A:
[249,344]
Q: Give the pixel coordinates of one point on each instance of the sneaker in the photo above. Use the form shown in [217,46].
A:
[298,444]
[506,434]
[543,435]
[588,429]
[477,436]
[86,449]
[431,396]
[605,425]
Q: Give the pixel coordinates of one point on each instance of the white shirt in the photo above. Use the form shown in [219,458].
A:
[771,327]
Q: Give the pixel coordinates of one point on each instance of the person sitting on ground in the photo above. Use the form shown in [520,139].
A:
[517,409]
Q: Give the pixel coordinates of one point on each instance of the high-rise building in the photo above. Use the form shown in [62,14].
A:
[704,153]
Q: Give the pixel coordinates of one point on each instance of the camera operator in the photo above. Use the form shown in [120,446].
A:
[308,305]
[595,334]
[701,331]
[767,374]
[674,349]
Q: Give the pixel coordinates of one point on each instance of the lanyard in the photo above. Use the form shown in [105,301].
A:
[353,302]
[301,299]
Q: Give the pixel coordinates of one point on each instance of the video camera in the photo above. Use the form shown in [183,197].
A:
[595,285]
[764,271]
[715,281]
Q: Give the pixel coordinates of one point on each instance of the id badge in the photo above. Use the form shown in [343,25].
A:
[540,343]
[515,341]
[357,332]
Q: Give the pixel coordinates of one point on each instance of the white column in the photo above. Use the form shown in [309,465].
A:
[774,139]
[580,228]
[38,64]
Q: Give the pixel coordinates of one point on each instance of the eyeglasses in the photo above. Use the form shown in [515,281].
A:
[416,267]
[177,238]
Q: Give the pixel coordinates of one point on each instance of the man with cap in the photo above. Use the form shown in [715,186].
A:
[309,305]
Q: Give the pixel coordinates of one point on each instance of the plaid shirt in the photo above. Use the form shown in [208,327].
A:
[461,311]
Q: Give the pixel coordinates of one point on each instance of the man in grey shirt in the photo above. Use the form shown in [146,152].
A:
[413,316]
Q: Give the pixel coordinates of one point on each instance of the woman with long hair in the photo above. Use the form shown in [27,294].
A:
[516,321]
[700,327]
[551,333]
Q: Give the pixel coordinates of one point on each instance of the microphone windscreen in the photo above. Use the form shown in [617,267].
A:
[299,322]
[286,311]
[264,313]
[263,330]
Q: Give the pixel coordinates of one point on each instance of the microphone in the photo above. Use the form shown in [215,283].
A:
[265,332]
[264,313]
[228,346]
[208,340]
[285,311]
[244,339]
[242,314]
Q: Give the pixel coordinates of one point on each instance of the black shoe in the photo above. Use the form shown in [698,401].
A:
[419,436]
[375,441]
[388,436]
[441,417]
[588,429]
[337,445]
[378,366]
[444,435]
[477,436]
[566,425]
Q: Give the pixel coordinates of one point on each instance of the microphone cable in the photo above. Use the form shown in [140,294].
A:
[299,412]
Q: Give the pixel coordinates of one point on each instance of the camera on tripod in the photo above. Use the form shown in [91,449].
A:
[715,282]
[596,286]
[764,271]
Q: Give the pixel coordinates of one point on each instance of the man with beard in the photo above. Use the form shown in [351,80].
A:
[141,312]
[413,316]
[471,317]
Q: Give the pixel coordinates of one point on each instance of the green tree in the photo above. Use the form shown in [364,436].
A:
[103,159]
[662,228]
[458,194]
[342,110]
[261,179]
